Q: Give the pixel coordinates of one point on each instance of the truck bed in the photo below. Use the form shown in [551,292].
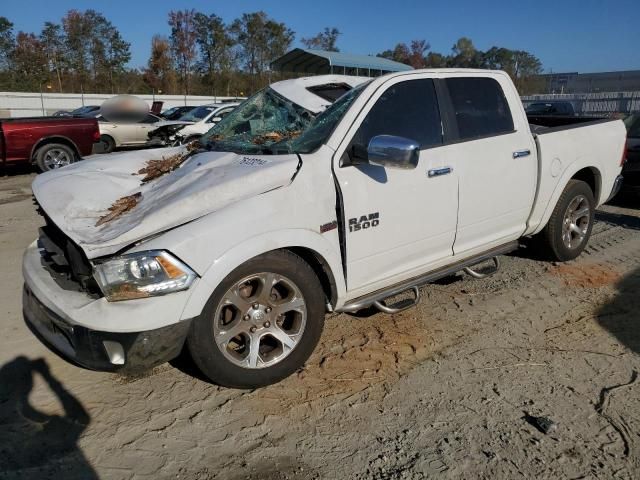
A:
[564,145]
[546,123]
[20,137]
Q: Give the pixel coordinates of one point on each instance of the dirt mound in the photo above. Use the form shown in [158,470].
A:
[354,354]
[587,275]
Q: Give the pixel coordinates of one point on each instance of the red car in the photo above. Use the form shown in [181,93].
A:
[46,141]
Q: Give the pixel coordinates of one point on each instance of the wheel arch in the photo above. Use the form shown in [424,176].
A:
[322,270]
[54,139]
[109,136]
[315,250]
[591,175]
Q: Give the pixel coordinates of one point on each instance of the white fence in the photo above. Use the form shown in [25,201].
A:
[594,104]
[19,104]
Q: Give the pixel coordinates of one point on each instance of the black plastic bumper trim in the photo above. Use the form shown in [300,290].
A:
[83,346]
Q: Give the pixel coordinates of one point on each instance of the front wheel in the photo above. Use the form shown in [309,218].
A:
[569,228]
[260,324]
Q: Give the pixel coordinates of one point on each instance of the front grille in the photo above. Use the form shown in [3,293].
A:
[64,260]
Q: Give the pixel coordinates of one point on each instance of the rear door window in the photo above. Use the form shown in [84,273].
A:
[480,107]
[407,109]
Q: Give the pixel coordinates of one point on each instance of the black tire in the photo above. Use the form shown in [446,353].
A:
[45,156]
[201,340]
[108,143]
[550,239]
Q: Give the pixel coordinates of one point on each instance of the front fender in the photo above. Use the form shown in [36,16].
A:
[263,243]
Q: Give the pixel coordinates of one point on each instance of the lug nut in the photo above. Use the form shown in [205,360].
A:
[247,317]
[253,329]
[267,324]
[255,305]
[268,309]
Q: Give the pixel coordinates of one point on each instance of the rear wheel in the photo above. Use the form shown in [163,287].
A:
[107,143]
[569,228]
[53,156]
[261,324]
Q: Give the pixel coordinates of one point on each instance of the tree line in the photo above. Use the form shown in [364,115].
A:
[523,67]
[200,55]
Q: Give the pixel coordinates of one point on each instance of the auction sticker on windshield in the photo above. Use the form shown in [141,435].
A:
[253,162]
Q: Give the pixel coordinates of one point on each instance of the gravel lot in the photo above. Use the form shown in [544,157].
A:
[450,389]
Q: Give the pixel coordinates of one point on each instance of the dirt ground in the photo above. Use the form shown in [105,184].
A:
[450,389]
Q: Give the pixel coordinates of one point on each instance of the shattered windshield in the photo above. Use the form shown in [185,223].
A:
[324,124]
[268,123]
[262,120]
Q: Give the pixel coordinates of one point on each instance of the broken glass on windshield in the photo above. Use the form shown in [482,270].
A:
[264,119]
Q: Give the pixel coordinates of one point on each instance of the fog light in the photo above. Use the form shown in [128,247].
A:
[115,352]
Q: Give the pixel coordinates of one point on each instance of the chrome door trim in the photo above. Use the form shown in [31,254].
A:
[437,172]
[521,153]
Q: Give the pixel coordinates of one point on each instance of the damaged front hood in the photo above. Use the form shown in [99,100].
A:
[77,197]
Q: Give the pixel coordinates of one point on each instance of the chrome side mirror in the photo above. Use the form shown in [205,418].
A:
[394,152]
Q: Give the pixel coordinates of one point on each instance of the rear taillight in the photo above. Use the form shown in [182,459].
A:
[96,135]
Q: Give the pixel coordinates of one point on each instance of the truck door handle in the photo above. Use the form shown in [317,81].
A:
[521,153]
[437,172]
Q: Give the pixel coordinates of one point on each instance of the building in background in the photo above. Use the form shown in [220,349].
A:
[320,62]
[574,82]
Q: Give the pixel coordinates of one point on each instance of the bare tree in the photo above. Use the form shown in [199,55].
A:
[6,41]
[52,41]
[215,47]
[325,40]
[77,33]
[261,40]
[29,61]
[159,73]
[183,43]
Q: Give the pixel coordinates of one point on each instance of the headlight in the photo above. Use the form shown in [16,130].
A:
[142,274]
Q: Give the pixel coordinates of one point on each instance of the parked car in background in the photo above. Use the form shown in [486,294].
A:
[238,249]
[551,108]
[126,134]
[47,142]
[85,111]
[192,125]
[174,113]
[631,170]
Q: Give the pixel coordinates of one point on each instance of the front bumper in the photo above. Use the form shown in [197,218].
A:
[128,336]
[130,352]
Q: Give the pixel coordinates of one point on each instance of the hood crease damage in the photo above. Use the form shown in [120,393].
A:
[186,186]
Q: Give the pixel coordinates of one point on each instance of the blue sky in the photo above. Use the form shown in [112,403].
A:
[567,35]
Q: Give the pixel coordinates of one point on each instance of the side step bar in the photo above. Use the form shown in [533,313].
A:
[496,266]
[376,298]
[401,305]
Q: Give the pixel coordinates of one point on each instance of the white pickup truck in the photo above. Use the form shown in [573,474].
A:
[236,247]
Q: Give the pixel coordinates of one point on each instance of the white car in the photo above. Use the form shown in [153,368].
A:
[238,249]
[192,125]
[204,118]
[126,134]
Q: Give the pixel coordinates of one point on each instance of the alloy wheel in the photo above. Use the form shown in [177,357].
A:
[575,223]
[260,320]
